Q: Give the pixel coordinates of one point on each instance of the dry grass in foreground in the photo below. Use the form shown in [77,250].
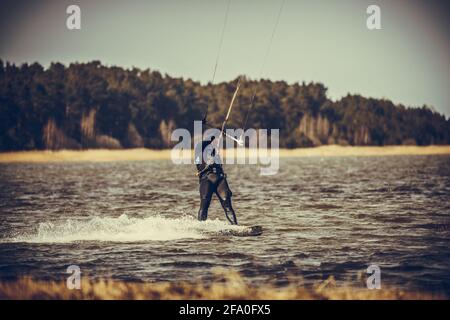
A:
[233,287]
[102,155]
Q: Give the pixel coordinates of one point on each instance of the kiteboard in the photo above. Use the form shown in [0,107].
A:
[243,231]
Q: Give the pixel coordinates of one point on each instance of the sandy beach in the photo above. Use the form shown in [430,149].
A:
[232,287]
[103,155]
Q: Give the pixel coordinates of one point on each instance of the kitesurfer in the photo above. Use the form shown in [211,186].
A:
[212,180]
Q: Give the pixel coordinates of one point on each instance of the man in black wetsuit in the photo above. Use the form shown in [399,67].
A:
[212,180]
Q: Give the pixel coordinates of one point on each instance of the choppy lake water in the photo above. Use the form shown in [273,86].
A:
[321,216]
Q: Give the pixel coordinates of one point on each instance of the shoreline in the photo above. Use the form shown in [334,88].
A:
[107,155]
[234,288]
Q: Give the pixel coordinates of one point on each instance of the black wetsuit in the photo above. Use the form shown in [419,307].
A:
[212,180]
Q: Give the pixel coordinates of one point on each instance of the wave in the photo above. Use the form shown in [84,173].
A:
[123,229]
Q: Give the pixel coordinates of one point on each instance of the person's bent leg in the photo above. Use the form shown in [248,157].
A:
[206,192]
[229,211]
[224,193]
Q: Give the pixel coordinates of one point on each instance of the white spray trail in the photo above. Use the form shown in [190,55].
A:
[123,229]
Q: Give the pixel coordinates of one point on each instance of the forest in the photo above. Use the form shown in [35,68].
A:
[89,105]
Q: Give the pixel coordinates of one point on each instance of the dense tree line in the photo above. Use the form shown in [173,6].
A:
[91,106]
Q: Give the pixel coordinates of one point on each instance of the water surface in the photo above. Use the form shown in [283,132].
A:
[322,216]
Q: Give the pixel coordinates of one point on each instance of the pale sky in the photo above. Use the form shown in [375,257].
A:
[321,41]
